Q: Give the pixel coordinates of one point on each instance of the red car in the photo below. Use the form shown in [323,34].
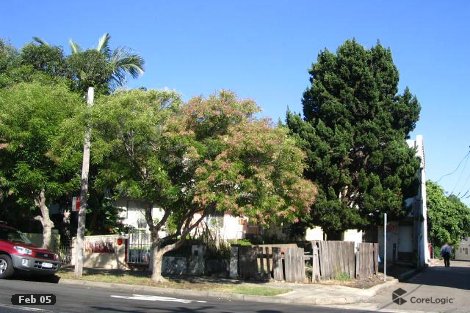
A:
[17,253]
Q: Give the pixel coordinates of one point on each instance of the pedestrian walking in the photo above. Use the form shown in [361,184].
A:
[446,251]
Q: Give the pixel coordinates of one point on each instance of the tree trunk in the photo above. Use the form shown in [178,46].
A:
[156,265]
[83,194]
[45,220]
[157,260]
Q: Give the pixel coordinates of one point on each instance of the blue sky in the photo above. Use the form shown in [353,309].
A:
[263,49]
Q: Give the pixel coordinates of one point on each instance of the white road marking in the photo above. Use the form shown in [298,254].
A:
[156,298]
[23,308]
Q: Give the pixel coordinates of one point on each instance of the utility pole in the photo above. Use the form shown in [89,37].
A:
[83,192]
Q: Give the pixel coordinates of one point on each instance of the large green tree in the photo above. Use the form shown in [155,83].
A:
[44,58]
[196,159]
[44,64]
[448,217]
[353,130]
[31,119]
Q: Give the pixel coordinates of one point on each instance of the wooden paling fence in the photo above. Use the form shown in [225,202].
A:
[334,258]
[326,260]
[281,262]
[367,259]
[342,258]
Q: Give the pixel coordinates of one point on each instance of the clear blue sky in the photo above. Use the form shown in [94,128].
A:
[263,49]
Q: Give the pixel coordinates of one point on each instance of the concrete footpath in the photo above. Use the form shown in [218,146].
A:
[313,294]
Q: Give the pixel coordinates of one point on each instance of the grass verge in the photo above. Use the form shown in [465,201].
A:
[143,279]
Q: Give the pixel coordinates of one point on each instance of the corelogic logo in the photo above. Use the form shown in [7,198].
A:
[397,296]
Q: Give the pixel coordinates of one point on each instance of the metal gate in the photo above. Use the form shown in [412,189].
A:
[138,247]
[65,253]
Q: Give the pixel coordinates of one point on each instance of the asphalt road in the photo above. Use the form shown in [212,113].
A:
[447,288]
[81,299]
[436,289]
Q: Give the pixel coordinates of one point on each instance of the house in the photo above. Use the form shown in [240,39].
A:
[317,233]
[462,252]
[224,227]
[407,239]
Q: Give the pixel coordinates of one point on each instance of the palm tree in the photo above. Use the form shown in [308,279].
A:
[103,66]
[104,70]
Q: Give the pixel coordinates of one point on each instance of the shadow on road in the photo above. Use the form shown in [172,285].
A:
[173,309]
[455,276]
[54,279]
[146,309]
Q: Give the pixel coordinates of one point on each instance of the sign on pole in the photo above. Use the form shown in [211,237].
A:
[75,204]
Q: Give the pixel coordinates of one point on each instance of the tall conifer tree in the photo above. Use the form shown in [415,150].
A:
[354,131]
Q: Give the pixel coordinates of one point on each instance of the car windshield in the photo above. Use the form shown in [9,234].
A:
[13,235]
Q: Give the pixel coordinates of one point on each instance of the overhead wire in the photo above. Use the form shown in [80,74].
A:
[464,159]
[461,173]
[460,163]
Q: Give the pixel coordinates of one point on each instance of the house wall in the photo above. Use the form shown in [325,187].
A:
[223,228]
[392,241]
[420,208]
[353,235]
[463,251]
[133,214]
[234,227]
[314,234]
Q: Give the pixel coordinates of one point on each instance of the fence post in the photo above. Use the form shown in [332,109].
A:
[278,273]
[234,262]
[315,263]
[376,258]
[358,257]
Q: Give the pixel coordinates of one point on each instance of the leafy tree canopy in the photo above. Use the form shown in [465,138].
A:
[196,159]
[8,56]
[448,217]
[31,120]
[44,58]
[353,131]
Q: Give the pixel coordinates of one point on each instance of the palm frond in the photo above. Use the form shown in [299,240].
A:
[74,47]
[123,63]
[40,41]
[103,44]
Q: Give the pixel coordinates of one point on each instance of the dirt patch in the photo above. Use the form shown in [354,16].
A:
[356,283]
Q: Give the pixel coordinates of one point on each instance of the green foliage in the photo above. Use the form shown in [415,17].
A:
[207,156]
[44,58]
[102,68]
[31,116]
[241,242]
[89,69]
[342,276]
[448,217]
[8,56]
[353,132]
[245,166]
[128,142]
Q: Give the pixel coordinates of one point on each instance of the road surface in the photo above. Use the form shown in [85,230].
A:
[436,289]
[82,299]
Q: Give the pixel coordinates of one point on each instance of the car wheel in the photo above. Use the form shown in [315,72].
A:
[6,266]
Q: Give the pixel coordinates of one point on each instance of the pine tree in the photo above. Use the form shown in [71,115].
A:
[354,131]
